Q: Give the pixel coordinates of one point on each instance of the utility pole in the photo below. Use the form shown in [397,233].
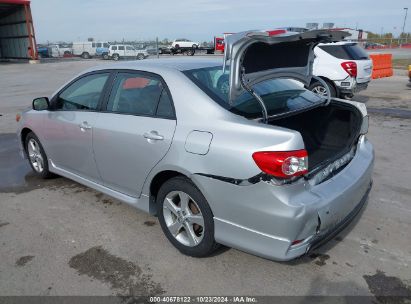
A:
[405,19]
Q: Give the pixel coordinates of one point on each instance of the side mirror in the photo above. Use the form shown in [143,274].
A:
[41,104]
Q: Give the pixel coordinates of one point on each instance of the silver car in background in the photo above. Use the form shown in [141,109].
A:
[227,151]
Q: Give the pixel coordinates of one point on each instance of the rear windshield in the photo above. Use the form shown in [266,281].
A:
[281,96]
[345,51]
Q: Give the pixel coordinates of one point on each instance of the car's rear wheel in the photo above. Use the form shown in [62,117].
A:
[319,89]
[140,56]
[85,55]
[116,57]
[36,156]
[186,217]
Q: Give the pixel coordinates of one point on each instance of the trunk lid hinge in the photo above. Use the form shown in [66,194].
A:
[258,98]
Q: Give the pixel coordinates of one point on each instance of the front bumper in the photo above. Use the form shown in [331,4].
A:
[264,219]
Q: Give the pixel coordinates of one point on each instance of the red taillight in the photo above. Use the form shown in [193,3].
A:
[350,67]
[282,164]
[18,117]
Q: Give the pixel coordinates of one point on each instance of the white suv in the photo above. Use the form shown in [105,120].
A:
[344,66]
[185,43]
[118,51]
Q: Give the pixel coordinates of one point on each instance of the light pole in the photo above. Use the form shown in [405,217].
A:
[405,19]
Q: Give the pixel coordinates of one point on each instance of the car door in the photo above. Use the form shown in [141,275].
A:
[135,131]
[130,51]
[69,130]
[121,50]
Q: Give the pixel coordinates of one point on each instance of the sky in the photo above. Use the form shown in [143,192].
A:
[201,20]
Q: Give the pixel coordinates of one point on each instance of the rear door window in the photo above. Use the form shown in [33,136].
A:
[350,51]
[138,94]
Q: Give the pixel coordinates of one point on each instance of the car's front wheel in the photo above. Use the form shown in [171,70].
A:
[37,157]
[116,57]
[186,217]
[140,57]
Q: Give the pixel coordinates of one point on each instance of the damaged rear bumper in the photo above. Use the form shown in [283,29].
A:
[265,219]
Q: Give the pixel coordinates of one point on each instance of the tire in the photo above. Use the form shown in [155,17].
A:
[116,57]
[37,156]
[196,240]
[85,55]
[318,88]
[140,57]
[105,56]
[190,52]
[177,46]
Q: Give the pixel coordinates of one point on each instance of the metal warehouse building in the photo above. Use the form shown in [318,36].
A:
[17,40]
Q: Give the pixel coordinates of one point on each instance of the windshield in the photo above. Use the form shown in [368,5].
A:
[280,96]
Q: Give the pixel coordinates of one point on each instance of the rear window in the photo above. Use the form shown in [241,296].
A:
[346,51]
[281,96]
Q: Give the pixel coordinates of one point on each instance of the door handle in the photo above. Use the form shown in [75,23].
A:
[153,135]
[84,126]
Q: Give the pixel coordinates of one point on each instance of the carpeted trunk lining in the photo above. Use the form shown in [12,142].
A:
[328,132]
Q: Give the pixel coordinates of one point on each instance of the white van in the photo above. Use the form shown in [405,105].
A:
[88,49]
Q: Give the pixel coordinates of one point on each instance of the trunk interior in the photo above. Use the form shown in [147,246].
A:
[328,131]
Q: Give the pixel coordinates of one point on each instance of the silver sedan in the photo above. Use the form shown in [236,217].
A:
[231,151]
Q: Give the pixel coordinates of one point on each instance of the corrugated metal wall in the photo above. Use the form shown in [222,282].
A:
[14,39]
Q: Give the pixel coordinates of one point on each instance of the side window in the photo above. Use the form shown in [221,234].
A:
[105,45]
[165,108]
[114,48]
[129,48]
[93,45]
[84,94]
[98,44]
[121,48]
[135,93]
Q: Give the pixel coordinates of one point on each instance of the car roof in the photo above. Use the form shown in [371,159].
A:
[180,64]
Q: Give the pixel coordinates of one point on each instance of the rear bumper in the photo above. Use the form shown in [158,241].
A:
[355,88]
[323,237]
[264,219]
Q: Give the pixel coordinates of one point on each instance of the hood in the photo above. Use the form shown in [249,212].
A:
[255,56]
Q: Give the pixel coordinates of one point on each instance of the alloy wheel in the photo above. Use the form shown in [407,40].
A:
[183,218]
[320,90]
[35,156]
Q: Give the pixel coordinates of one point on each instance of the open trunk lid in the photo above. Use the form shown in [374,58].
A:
[256,56]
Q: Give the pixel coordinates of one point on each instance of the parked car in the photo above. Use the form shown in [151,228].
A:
[60,50]
[344,66]
[118,51]
[88,49]
[165,49]
[266,166]
[185,43]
